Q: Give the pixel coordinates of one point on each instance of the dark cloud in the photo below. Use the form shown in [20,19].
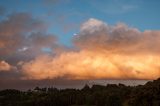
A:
[15,29]
[43,40]
[23,36]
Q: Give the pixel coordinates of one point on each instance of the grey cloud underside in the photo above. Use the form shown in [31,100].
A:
[23,36]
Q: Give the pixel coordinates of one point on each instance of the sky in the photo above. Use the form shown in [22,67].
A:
[71,42]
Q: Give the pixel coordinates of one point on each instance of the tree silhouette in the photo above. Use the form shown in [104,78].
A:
[97,95]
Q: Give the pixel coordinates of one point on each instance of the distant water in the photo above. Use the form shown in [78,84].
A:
[63,83]
[103,82]
[126,82]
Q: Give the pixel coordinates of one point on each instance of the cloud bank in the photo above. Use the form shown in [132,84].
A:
[102,52]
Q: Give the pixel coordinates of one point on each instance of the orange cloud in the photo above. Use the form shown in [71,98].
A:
[105,52]
[93,65]
[4,66]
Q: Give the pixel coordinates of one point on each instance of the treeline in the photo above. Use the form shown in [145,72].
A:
[97,95]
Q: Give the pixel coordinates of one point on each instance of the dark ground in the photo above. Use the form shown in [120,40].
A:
[97,95]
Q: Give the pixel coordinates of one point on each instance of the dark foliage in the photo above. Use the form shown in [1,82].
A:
[97,95]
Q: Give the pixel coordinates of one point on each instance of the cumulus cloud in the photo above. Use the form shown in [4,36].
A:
[4,66]
[15,29]
[119,38]
[105,52]
[22,37]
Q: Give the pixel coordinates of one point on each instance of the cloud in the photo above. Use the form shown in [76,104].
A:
[43,40]
[15,29]
[100,51]
[22,37]
[4,66]
[96,35]
[37,43]
[92,65]
[104,52]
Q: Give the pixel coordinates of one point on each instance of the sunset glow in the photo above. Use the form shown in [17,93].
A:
[109,56]
[89,65]
[78,40]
